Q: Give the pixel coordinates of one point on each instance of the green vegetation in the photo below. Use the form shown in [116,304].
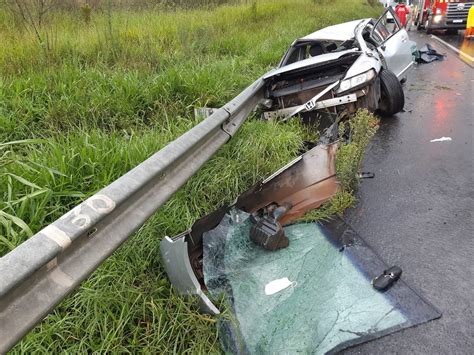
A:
[82,101]
[348,163]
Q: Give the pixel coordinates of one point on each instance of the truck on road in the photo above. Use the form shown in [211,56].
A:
[450,15]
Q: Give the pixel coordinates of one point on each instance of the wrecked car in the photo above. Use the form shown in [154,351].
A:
[290,286]
[341,68]
[358,64]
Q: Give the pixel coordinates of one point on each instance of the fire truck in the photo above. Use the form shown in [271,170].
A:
[448,15]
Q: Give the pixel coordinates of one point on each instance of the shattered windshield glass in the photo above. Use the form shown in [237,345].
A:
[313,296]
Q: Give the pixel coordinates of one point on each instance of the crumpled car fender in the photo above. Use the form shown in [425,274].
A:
[364,63]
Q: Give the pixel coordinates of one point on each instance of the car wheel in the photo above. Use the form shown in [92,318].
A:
[392,96]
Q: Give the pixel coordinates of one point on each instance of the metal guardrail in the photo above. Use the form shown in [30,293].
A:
[43,270]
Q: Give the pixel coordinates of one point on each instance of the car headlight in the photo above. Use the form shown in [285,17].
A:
[357,80]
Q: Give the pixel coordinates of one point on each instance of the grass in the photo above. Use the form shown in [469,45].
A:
[81,109]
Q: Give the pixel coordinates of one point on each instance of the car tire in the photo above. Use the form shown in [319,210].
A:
[392,96]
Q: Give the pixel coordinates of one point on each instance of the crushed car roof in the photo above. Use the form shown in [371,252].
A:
[341,32]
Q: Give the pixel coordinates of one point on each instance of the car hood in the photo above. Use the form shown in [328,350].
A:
[308,62]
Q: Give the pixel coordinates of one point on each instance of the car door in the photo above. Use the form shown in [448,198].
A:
[392,43]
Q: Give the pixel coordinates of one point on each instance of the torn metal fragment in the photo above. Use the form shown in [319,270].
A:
[306,184]
[286,113]
[303,184]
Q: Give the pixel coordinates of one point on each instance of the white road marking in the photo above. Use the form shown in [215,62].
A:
[459,52]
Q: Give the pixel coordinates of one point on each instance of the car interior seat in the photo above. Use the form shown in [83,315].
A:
[316,49]
[331,47]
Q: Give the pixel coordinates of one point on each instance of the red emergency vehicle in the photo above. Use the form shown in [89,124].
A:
[448,15]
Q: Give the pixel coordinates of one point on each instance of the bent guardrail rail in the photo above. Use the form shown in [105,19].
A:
[38,274]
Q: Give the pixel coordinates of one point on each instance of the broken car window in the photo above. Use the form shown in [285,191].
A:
[384,29]
[314,296]
[301,51]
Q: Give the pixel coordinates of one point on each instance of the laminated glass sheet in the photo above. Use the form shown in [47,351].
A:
[313,297]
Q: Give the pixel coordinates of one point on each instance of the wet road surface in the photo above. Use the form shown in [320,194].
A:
[418,211]
[459,42]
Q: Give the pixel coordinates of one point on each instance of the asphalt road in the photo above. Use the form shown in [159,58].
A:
[418,211]
[464,45]
[458,41]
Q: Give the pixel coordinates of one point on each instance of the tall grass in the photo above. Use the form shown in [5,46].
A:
[129,70]
[127,303]
[101,98]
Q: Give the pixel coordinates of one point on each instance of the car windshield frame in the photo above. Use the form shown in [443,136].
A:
[297,45]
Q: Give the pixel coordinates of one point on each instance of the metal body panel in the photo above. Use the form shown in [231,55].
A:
[396,49]
[408,67]
[287,112]
[174,253]
[305,183]
[340,32]
[364,63]
[397,52]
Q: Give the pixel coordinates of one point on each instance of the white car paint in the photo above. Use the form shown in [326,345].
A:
[341,32]
[393,54]
[363,64]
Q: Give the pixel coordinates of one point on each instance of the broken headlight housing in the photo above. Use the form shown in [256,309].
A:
[357,81]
